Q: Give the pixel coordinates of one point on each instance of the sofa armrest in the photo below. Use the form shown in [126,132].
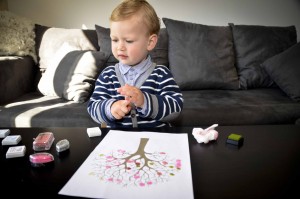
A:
[16,77]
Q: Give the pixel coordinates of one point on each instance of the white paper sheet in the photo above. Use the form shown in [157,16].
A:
[135,165]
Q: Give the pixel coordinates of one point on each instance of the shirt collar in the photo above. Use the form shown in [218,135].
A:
[139,68]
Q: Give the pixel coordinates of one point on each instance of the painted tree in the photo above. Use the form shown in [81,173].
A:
[139,168]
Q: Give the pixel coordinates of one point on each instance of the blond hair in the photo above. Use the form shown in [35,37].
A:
[129,8]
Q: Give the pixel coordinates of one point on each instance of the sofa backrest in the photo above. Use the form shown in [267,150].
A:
[253,45]
[199,56]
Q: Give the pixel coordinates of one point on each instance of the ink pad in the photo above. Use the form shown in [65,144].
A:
[41,159]
[43,141]
[235,139]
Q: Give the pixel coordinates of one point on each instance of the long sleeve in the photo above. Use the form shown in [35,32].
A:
[164,98]
[104,94]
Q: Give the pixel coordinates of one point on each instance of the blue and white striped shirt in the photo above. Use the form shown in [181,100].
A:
[163,97]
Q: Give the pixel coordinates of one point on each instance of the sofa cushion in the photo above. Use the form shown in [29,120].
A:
[16,77]
[74,76]
[237,107]
[104,42]
[284,69]
[35,110]
[201,56]
[17,36]
[253,45]
[159,54]
[54,38]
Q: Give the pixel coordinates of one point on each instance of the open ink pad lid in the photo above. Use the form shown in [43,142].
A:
[4,133]
[11,140]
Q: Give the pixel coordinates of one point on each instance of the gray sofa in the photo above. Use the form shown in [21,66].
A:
[229,75]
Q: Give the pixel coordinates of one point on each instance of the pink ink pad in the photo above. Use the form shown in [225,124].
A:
[43,141]
[41,159]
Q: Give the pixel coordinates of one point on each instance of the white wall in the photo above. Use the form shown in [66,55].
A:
[74,13]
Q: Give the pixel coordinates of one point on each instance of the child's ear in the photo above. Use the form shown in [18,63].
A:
[152,42]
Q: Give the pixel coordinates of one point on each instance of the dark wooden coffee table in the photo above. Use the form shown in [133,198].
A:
[266,166]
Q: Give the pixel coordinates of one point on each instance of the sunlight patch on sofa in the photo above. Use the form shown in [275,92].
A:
[28,109]
[24,119]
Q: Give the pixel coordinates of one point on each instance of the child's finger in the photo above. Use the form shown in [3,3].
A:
[125,106]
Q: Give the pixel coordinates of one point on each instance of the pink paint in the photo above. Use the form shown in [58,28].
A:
[40,158]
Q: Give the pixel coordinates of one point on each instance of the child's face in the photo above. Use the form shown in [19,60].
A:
[131,41]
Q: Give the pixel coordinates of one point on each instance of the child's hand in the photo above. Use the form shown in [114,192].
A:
[133,94]
[120,108]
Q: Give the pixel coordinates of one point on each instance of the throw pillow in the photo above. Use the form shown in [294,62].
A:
[39,32]
[201,56]
[253,45]
[284,69]
[159,54]
[17,35]
[54,38]
[73,78]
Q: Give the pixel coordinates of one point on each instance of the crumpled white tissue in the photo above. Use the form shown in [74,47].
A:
[205,135]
